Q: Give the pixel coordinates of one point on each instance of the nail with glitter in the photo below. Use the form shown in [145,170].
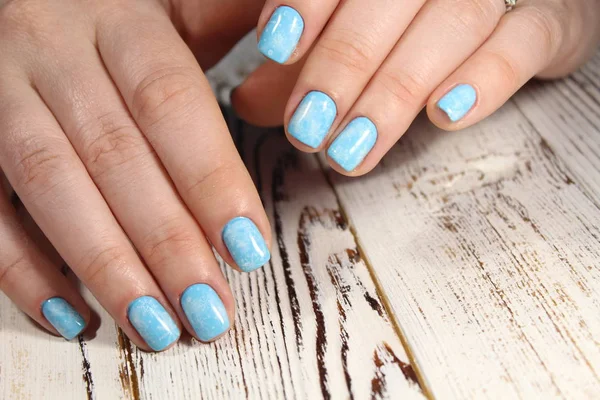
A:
[281,34]
[205,311]
[458,101]
[153,322]
[313,119]
[245,244]
[353,144]
[63,317]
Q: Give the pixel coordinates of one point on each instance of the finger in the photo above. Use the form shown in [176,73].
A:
[173,105]
[125,169]
[286,31]
[500,67]
[54,186]
[341,64]
[260,100]
[36,286]
[421,60]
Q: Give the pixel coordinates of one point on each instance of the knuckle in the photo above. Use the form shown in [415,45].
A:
[210,183]
[352,51]
[98,266]
[477,17]
[405,89]
[165,92]
[111,142]
[15,266]
[546,26]
[169,239]
[32,20]
[505,68]
[39,165]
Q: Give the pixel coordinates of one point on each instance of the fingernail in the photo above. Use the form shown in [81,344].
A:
[153,322]
[245,244]
[205,311]
[281,34]
[63,317]
[458,101]
[353,144]
[313,119]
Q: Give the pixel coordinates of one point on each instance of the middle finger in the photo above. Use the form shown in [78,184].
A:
[356,41]
[132,180]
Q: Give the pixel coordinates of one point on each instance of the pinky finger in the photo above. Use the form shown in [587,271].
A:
[36,286]
[525,42]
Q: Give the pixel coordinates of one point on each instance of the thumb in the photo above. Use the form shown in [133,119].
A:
[261,99]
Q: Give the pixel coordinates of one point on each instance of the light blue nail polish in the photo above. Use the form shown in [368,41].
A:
[245,244]
[281,34]
[153,322]
[205,311]
[313,119]
[353,144]
[457,102]
[63,317]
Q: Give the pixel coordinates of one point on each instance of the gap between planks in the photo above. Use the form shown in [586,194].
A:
[382,294]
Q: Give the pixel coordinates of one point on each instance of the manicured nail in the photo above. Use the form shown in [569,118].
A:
[63,317]
[245,244]
[458,101]
[205,311]
[313,119]
[153,322]
[281,34]
[353,144]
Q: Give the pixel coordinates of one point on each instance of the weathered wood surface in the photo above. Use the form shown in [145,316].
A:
[486,244]
[311,324]
[465,266]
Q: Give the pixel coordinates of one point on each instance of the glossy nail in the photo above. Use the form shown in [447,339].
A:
[153,322]
[458,101]
[63,317]
[205,311]
[281,34]
[353,144]
[245,244]
[313,119]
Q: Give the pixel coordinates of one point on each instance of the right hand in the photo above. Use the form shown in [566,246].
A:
[113,140]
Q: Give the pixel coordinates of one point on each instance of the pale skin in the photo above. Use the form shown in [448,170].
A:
[387,60]
[115,144]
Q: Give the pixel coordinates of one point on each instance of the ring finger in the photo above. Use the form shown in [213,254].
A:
[422,59]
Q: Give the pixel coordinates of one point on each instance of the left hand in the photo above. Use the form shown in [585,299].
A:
[371,66]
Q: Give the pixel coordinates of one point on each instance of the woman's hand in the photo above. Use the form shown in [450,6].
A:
[368,67]
[112,138]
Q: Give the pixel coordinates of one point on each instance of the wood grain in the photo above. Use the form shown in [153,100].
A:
[311,324]
[465,266]
[486,243]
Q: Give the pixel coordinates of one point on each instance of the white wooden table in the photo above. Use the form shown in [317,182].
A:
[467,265]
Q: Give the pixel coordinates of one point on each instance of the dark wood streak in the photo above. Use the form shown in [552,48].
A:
[384,355]
[239,351]
[87,370]
[279,170]
[127,371]
[278,195]
[344,338]
[303,248]
[267,295]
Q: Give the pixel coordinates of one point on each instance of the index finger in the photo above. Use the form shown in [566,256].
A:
[172,103]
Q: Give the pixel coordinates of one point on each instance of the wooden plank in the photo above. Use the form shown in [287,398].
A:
[486,244]
[311,324]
